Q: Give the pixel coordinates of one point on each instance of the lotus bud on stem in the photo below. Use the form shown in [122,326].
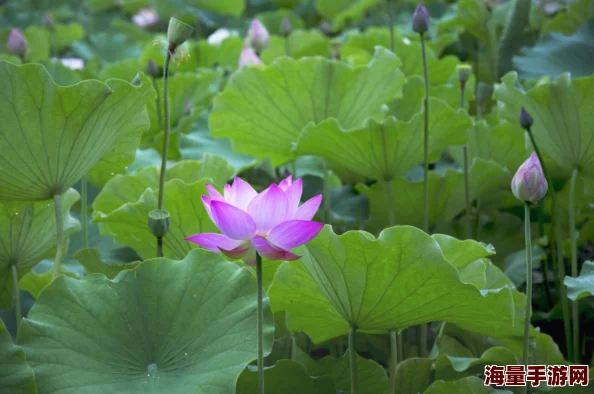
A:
[529,185]
[526,121]
[16,43]
[420,24]
[258,37]
[177,33]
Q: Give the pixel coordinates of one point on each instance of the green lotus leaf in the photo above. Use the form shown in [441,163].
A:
[343,11]
[287,377]
[28,235]
[504,143]
[385,150]
[449,366]
[123,69]
[360,48]
[468,385]
[346,280]
[128,224]
[33,282]
[562,117]
[228,7]
[177,326]
[125,189]
[187,91]
[16,376]
[264,109]
[372,376]
[413,375]
[199,143]
[91,260]
[446,195]
[55,138]
[61,74]
[574,15]
[558,54]
[64,35]
[273,19]
[301,43]
[39,44]
[583,285]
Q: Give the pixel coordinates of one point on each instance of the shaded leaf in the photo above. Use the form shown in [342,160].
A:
[91,260]
[583,285]
[16,376]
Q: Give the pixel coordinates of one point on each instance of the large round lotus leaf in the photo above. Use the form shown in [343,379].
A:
[583,285]
[468,385]
[264,109]
[387,149]
[128,223]
[28,235]
[16,376]
[178,327]
[123,189]
[286,377]
[396,281]
[563,117]
[53,135]
[446,195]
[301,43]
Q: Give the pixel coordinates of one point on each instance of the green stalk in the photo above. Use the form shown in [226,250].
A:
[84,212]
[326,196]
[59,237]
[353,361]
[560,265]
[396,343]
[159,115]
[393,360]
[466,181]
[423,336]
[391,22]
[167,129]
[574,267]
[15,294]
[528,239]
[260,325]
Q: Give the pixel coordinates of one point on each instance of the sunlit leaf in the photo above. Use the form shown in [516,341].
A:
[583,285]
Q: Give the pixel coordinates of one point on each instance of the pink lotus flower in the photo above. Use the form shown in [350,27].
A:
[270,223]
[247,57]
[16,43]
[145,17]
[529,183]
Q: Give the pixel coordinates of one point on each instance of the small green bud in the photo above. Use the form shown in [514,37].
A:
[464,71]
[158,222]
[178,32]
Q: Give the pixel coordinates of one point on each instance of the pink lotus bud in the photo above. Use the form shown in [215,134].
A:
[145,17]
[285,27]
[152,69]
[258,37]
[525,119]
[529,184]
[16,43]
[247,57]
[48,21]
[420,19]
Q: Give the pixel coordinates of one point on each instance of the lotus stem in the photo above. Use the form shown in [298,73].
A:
[466,181]
[260,324]
[393,360]
[574,266]
[59,237]
[326,196]
[527,314]
[15,294]
[423,336]
[353,361]
[166,129]
[560,273]
[391,24]
[84,210]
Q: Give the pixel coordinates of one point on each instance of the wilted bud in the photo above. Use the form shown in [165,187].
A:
[258,37]
[152,69]
[529,183]
[178,32]
[48,21]
[285,27]
[247,57]
[484,91]
[420,19]
[464,72]
[145,17]
[158,222]
[16,43]
[525,119]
